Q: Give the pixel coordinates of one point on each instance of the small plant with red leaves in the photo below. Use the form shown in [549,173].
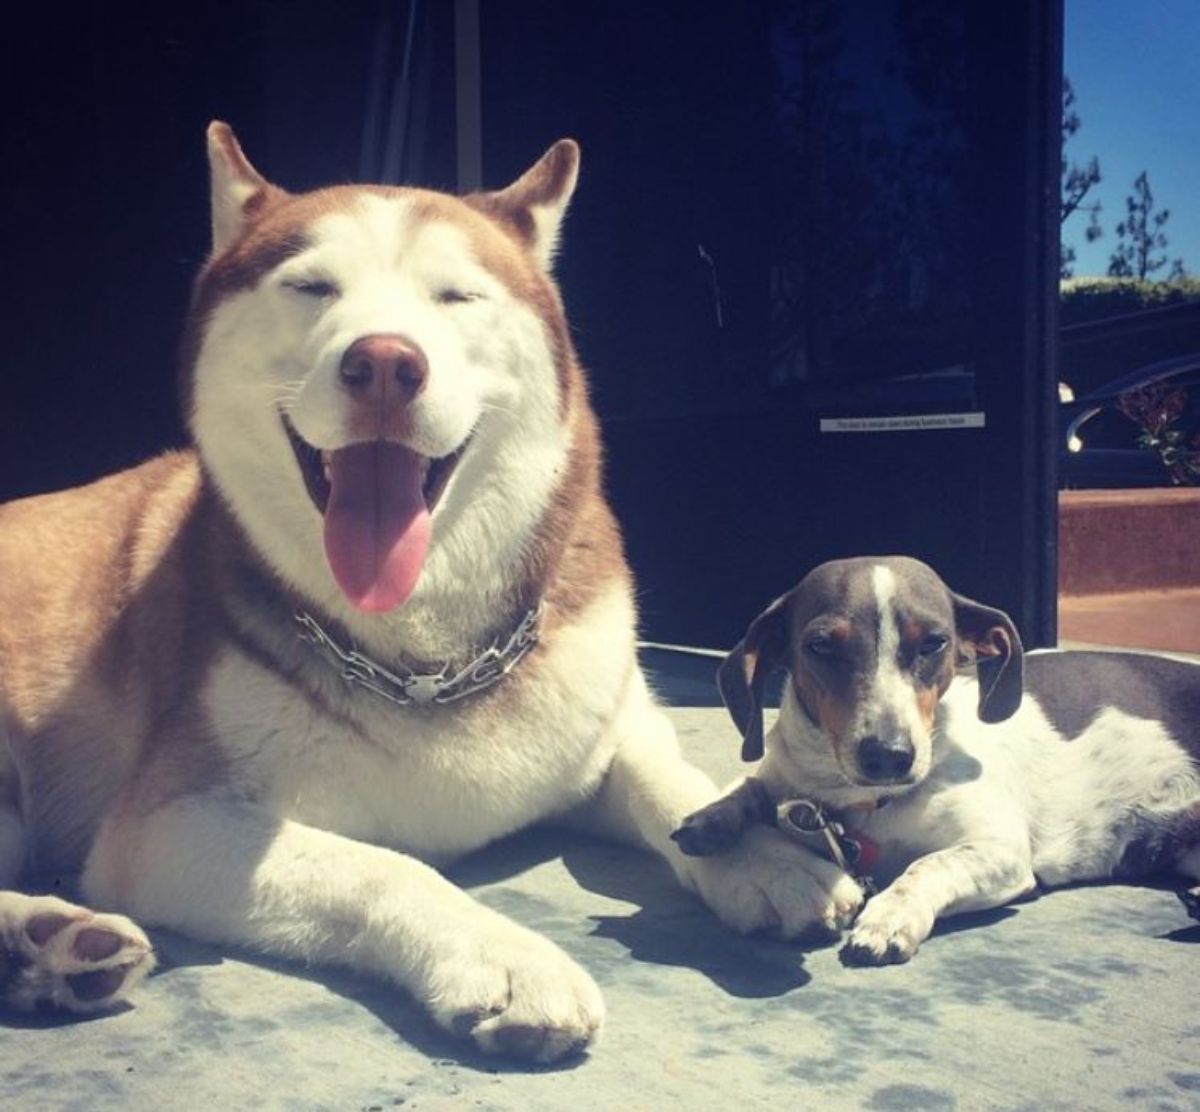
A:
[1158,410]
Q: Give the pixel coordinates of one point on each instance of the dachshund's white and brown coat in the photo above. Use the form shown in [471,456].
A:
[968,792]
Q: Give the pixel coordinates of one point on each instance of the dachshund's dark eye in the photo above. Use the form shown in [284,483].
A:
[933,645]
[821,646]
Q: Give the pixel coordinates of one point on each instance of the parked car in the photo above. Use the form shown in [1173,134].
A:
[1099,432]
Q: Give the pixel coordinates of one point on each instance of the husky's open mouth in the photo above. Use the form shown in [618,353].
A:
[376,499]
[315,468]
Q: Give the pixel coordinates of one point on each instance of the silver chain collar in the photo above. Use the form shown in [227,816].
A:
[424,689]
[807,822]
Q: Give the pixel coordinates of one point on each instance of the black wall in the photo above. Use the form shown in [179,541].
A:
[726,486]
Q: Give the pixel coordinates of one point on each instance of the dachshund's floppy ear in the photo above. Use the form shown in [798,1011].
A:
[998,654]
[743,672]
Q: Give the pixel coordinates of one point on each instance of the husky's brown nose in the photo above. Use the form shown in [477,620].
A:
[386,365]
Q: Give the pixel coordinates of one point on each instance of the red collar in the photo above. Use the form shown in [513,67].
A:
[831,834]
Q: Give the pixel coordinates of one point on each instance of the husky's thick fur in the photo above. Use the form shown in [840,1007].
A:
[392,436]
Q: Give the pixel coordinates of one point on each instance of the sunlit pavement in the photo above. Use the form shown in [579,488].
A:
[1167,620]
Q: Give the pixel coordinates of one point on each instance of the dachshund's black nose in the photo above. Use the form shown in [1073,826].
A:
[885,760]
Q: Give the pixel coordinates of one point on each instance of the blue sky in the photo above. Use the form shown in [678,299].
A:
[1135,65]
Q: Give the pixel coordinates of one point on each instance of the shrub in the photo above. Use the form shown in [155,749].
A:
[1088,299]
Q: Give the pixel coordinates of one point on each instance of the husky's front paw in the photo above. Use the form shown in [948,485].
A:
[56,953]
[769,884]
[889,931]
[514,992]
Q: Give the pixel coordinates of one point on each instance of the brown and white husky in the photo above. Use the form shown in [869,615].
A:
[378,617]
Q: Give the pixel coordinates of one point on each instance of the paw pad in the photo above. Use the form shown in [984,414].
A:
[52,952]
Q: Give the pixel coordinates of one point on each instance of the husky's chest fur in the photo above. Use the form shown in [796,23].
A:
[436,781]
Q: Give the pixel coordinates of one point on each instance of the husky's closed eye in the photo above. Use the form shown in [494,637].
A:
[456,297]
[321,288]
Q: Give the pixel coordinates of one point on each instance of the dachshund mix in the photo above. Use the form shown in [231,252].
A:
[953,791]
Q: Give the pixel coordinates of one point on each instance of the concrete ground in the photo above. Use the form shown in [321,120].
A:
[1167,620]
[1129,568]
[1084,998]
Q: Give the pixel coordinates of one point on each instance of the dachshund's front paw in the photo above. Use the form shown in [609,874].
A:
[716,828]
[721,825]
[888,932]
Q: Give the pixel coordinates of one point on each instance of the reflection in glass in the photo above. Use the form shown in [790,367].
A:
[871,265]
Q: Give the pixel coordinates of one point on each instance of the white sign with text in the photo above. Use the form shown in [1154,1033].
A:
[904,423]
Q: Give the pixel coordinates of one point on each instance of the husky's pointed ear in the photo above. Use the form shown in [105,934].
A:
[1000,659]
[536,202]
[744,671]
[237,187]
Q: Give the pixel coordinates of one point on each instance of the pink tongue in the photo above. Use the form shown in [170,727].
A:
[376,524]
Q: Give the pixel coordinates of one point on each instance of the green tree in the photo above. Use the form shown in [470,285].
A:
[1077,182]
[1141,245]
